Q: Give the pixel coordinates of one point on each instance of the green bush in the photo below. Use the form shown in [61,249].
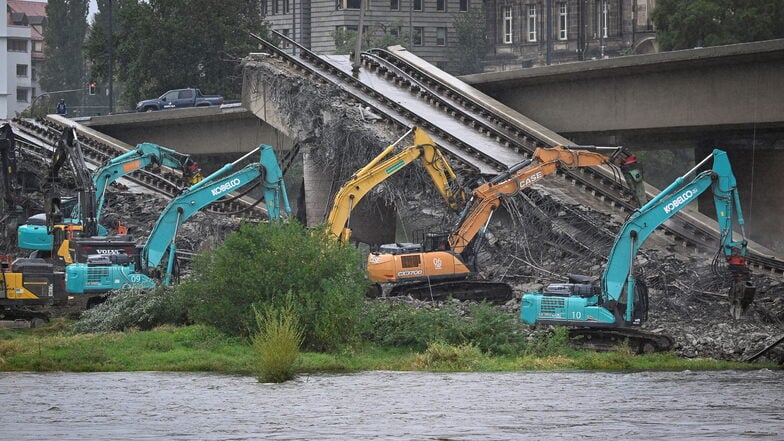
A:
[276,344]
[485,326]
[133,308]
[554,342]
[446,357]
[265,264]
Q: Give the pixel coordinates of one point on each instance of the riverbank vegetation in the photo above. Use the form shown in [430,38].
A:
[201,348]
[296,290]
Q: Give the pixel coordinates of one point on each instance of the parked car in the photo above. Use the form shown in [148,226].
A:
[178,98]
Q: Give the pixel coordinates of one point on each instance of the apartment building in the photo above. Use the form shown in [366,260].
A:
[21,54]
[519,33]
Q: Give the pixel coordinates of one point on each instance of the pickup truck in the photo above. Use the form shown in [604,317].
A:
[179,98]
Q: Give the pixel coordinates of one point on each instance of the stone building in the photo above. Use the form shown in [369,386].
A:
[426,27]
[524,33]
[519,33]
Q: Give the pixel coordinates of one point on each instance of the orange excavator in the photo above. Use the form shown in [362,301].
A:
[444,265]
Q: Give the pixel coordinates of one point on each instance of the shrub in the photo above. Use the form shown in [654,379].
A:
[485,326]
[443,356]
[551,343]
[262,265]
[276,344]
[133,308]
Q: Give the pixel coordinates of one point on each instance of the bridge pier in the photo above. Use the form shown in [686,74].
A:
[292,109]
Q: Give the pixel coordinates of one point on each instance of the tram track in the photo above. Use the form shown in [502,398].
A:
[506,137]
[39,137]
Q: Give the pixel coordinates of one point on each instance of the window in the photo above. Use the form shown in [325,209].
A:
[440,36]
[417,5]
[418,33]
[274,7]
[185,94]
[463,5]
[284,43]
[286,6]
[394,5]
[562,21]
[507,24]
[264,10]
[21,95]
[532,23]
[21,70]
[33,74]
[170,95]
[603,19]
[441,5]
[38,46]
[16,45]
[349,4]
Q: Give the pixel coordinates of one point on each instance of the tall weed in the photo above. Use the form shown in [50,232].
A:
[276,344]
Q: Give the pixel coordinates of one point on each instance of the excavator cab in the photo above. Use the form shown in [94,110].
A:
[436,241]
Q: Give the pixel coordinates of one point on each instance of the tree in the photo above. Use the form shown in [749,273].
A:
[64,34]
[169,44]
[376,35]
[467,53]
[684,24]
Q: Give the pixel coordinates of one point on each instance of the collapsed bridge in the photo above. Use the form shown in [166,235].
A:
[479,134]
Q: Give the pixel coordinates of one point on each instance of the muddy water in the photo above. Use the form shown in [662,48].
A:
[394,406]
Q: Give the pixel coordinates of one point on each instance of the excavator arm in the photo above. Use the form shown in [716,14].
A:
[68,149]
[144,155]
[381,168]
[617,279]
[210,189]
[545,161]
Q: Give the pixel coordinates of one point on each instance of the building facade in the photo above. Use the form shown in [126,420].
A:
[425,27]
[526,33]
[21,55]
[519,33]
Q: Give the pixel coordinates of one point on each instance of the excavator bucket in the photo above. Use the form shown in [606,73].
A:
[741,296]
[742,289]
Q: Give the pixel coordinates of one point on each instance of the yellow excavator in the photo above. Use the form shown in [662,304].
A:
[441,267]
[381,168]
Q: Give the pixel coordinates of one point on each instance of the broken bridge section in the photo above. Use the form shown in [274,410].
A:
[317,117]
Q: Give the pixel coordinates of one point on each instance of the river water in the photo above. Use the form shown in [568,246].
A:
[686,405]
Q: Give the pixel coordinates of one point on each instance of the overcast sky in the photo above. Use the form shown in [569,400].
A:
[92,11]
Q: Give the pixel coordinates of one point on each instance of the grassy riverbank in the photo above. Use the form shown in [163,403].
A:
[203,349]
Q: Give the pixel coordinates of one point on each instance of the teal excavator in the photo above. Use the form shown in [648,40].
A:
[36,235]
[606,311]
[105,272]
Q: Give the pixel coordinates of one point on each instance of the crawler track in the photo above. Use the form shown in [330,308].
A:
[479,133]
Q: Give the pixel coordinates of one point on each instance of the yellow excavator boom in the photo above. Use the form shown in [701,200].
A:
[382,167]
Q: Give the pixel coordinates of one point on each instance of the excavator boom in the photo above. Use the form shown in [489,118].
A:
[143,156]
[381,168]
